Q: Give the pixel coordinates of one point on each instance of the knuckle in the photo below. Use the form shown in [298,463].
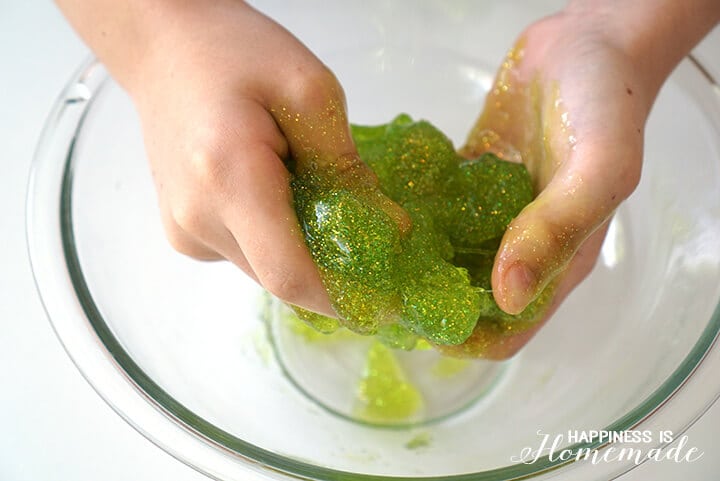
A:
[313,86]
[205,165]
[561,240]
[284,284]
[582,264]
[587,255]
[185,244]
[622,176]
[630,178]
[187,216]
[180,241]
[586,266]
[207,154]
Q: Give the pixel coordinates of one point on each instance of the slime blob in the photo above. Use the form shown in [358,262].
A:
[384,393]
[431,283]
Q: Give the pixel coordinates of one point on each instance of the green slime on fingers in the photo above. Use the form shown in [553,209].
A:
[433,283]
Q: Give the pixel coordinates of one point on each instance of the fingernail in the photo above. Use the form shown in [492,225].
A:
[518,287]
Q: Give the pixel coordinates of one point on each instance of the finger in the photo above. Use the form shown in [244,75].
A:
[222,242]
[580,266]
[259,212]
[541,241]
[201,237]
[311,113]
[496,129]
[185,243]
[228,247]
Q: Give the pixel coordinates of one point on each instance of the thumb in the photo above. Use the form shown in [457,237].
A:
[312,116]
[545,236]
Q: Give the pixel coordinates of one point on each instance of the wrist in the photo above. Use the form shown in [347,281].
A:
[134,38]
[655,35]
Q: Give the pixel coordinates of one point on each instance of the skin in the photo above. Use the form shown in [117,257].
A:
[573,97]
[219,87]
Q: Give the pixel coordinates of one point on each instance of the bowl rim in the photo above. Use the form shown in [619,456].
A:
[110,370]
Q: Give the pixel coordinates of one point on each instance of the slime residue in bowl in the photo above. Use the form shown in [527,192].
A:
[384,392]
[389,388]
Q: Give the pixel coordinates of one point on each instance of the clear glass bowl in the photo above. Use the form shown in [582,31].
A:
[180,350]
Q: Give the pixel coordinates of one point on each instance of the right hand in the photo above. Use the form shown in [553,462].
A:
[226,95]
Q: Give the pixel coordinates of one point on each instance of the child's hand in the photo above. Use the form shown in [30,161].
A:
[226,96]
[575,109]
[573,97]
[222,106]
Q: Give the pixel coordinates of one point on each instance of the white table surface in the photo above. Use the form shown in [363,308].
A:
[53,426]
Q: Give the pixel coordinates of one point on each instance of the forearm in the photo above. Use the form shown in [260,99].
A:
[129,35]
[656,34]
[118,32]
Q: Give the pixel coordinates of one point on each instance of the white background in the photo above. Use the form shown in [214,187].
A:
[52,424]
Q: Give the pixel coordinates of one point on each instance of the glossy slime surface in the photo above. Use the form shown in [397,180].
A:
[432,282]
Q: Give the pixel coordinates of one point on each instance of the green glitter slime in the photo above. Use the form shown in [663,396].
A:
[433,283]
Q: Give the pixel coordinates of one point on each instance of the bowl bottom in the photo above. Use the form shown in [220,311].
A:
[358,378]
